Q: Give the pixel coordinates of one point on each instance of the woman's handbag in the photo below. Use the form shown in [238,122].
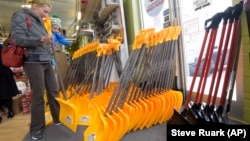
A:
[12,55]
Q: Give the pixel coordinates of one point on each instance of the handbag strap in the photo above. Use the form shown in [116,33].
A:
[28,22]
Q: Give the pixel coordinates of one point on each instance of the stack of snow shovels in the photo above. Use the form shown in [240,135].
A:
[198,112]
[143,96]
[87,81]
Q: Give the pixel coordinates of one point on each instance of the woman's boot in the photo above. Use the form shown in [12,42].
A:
[10,115]
[8,104]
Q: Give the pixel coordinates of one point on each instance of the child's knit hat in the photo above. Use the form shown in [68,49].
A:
[55,20]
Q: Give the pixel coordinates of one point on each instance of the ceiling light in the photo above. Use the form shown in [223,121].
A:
[26,6]
[73,35]
[77,27]
[79,15]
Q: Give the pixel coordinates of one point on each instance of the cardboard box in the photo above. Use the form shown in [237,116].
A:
[17,103]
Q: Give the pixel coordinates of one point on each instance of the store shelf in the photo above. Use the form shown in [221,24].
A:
[92,7]
[89,33]
[105,12]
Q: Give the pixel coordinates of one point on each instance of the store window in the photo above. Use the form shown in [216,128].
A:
[194,13]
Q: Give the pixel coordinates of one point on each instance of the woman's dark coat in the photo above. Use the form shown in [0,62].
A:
[8,87]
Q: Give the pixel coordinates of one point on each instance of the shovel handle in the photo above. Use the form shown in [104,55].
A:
[99,51]
[214,22]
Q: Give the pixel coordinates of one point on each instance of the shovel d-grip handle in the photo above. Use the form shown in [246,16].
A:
[211,23]
[108,50]
[119,38]
[228,15]
[158,39]
[147,31]
[237,10]
[214,21]
[143,37]
[101,50]
[114,44]
[164,33]
[177,31]
[159,36]
[153,40]
[168,34]
[136,42]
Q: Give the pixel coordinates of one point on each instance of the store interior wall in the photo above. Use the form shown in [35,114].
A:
[245,68]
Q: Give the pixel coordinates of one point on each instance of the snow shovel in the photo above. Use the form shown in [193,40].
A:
[87,95]
[211,108]
[147,107]
[152,87]
[172,98]
[49,30]
[122,81]
[77,96]
[218,114]
[120,93]
[199,118]
[69,111]
[154,96]
[205,110]
[139,97]
[159,93]
[140,104]
[158,57]
[97,129]
[187,116]
[201,87]
[234,72]
[135,99]
[112,119]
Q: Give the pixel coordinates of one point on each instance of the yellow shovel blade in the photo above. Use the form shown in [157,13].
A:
[126,121]
[98,126]
[179,100]
[120,126]
[157,108]
[83,105]
[144,110]
[69,114]
[130,112]
[162,108]
[168,105]
[137,114]
[48,118]
[147,115]
[173,99]
[112,126]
